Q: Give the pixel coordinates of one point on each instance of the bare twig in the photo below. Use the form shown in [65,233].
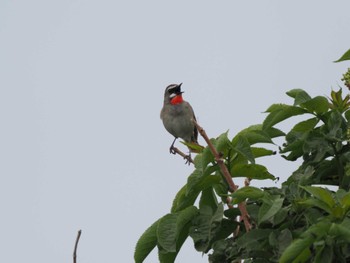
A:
[232,186]
[187,157]
[76,247]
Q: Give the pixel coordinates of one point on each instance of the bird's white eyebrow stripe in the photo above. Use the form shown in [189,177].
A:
[171,87]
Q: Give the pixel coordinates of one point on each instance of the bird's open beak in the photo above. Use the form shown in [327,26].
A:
[178,89]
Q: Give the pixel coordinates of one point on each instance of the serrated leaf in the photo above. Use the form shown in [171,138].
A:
[318,105]
[241,145]
[146,243]
[280,112]
[252,171]
[344,57]
[269,208]
[321,194]
[248,192]
[299,95]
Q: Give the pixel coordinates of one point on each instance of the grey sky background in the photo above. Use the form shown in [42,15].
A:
[81,88]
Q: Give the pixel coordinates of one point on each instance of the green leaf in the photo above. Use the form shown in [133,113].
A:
[250,192]
[318,105]
[302,244]
[146,243]
[270,207]
[285,238]
[183,223]
[344,57]
[196,182]
[199,181]
[202,160]
[194,147]
[299,95]
[345,202]
[254,239]
[252,171]
[297,252]
[339,231]
[254,134]
[166,233]
[208,198]
[324,254]
[333,124]
[312,202]
[179,198]
[306,125]
[260,152]
[274,132]
[171,226]
[241,145]
[222,143]
[280,112]
[321,194]
[204,227]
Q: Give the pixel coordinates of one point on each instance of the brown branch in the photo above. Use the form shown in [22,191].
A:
[76,247]
[232,186]
[187,157]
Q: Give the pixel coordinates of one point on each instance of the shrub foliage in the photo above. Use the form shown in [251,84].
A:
[301,221]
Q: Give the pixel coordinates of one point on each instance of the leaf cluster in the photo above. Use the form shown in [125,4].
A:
[301,221]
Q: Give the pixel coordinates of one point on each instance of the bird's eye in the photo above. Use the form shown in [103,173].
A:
[172,90]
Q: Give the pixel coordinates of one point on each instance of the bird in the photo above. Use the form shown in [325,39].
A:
[178,118]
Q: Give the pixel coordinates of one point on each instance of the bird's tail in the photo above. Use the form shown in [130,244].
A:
[194,147]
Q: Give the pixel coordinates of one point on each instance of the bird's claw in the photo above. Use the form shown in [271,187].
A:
[188,159]
[172,149]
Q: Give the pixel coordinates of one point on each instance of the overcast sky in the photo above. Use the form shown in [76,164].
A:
[81,87]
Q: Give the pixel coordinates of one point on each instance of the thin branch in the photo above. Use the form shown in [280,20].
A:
[232,186]
[185,156]
[76,247]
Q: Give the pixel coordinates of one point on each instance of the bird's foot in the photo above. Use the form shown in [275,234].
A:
[188,159]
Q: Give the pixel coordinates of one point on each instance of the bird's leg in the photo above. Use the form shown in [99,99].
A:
[172,147]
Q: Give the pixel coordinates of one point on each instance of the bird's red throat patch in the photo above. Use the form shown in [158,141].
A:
[176,100]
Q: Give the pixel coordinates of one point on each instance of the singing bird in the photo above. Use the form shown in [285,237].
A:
[178,116]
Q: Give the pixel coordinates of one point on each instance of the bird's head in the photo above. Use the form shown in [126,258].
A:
[173,94]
